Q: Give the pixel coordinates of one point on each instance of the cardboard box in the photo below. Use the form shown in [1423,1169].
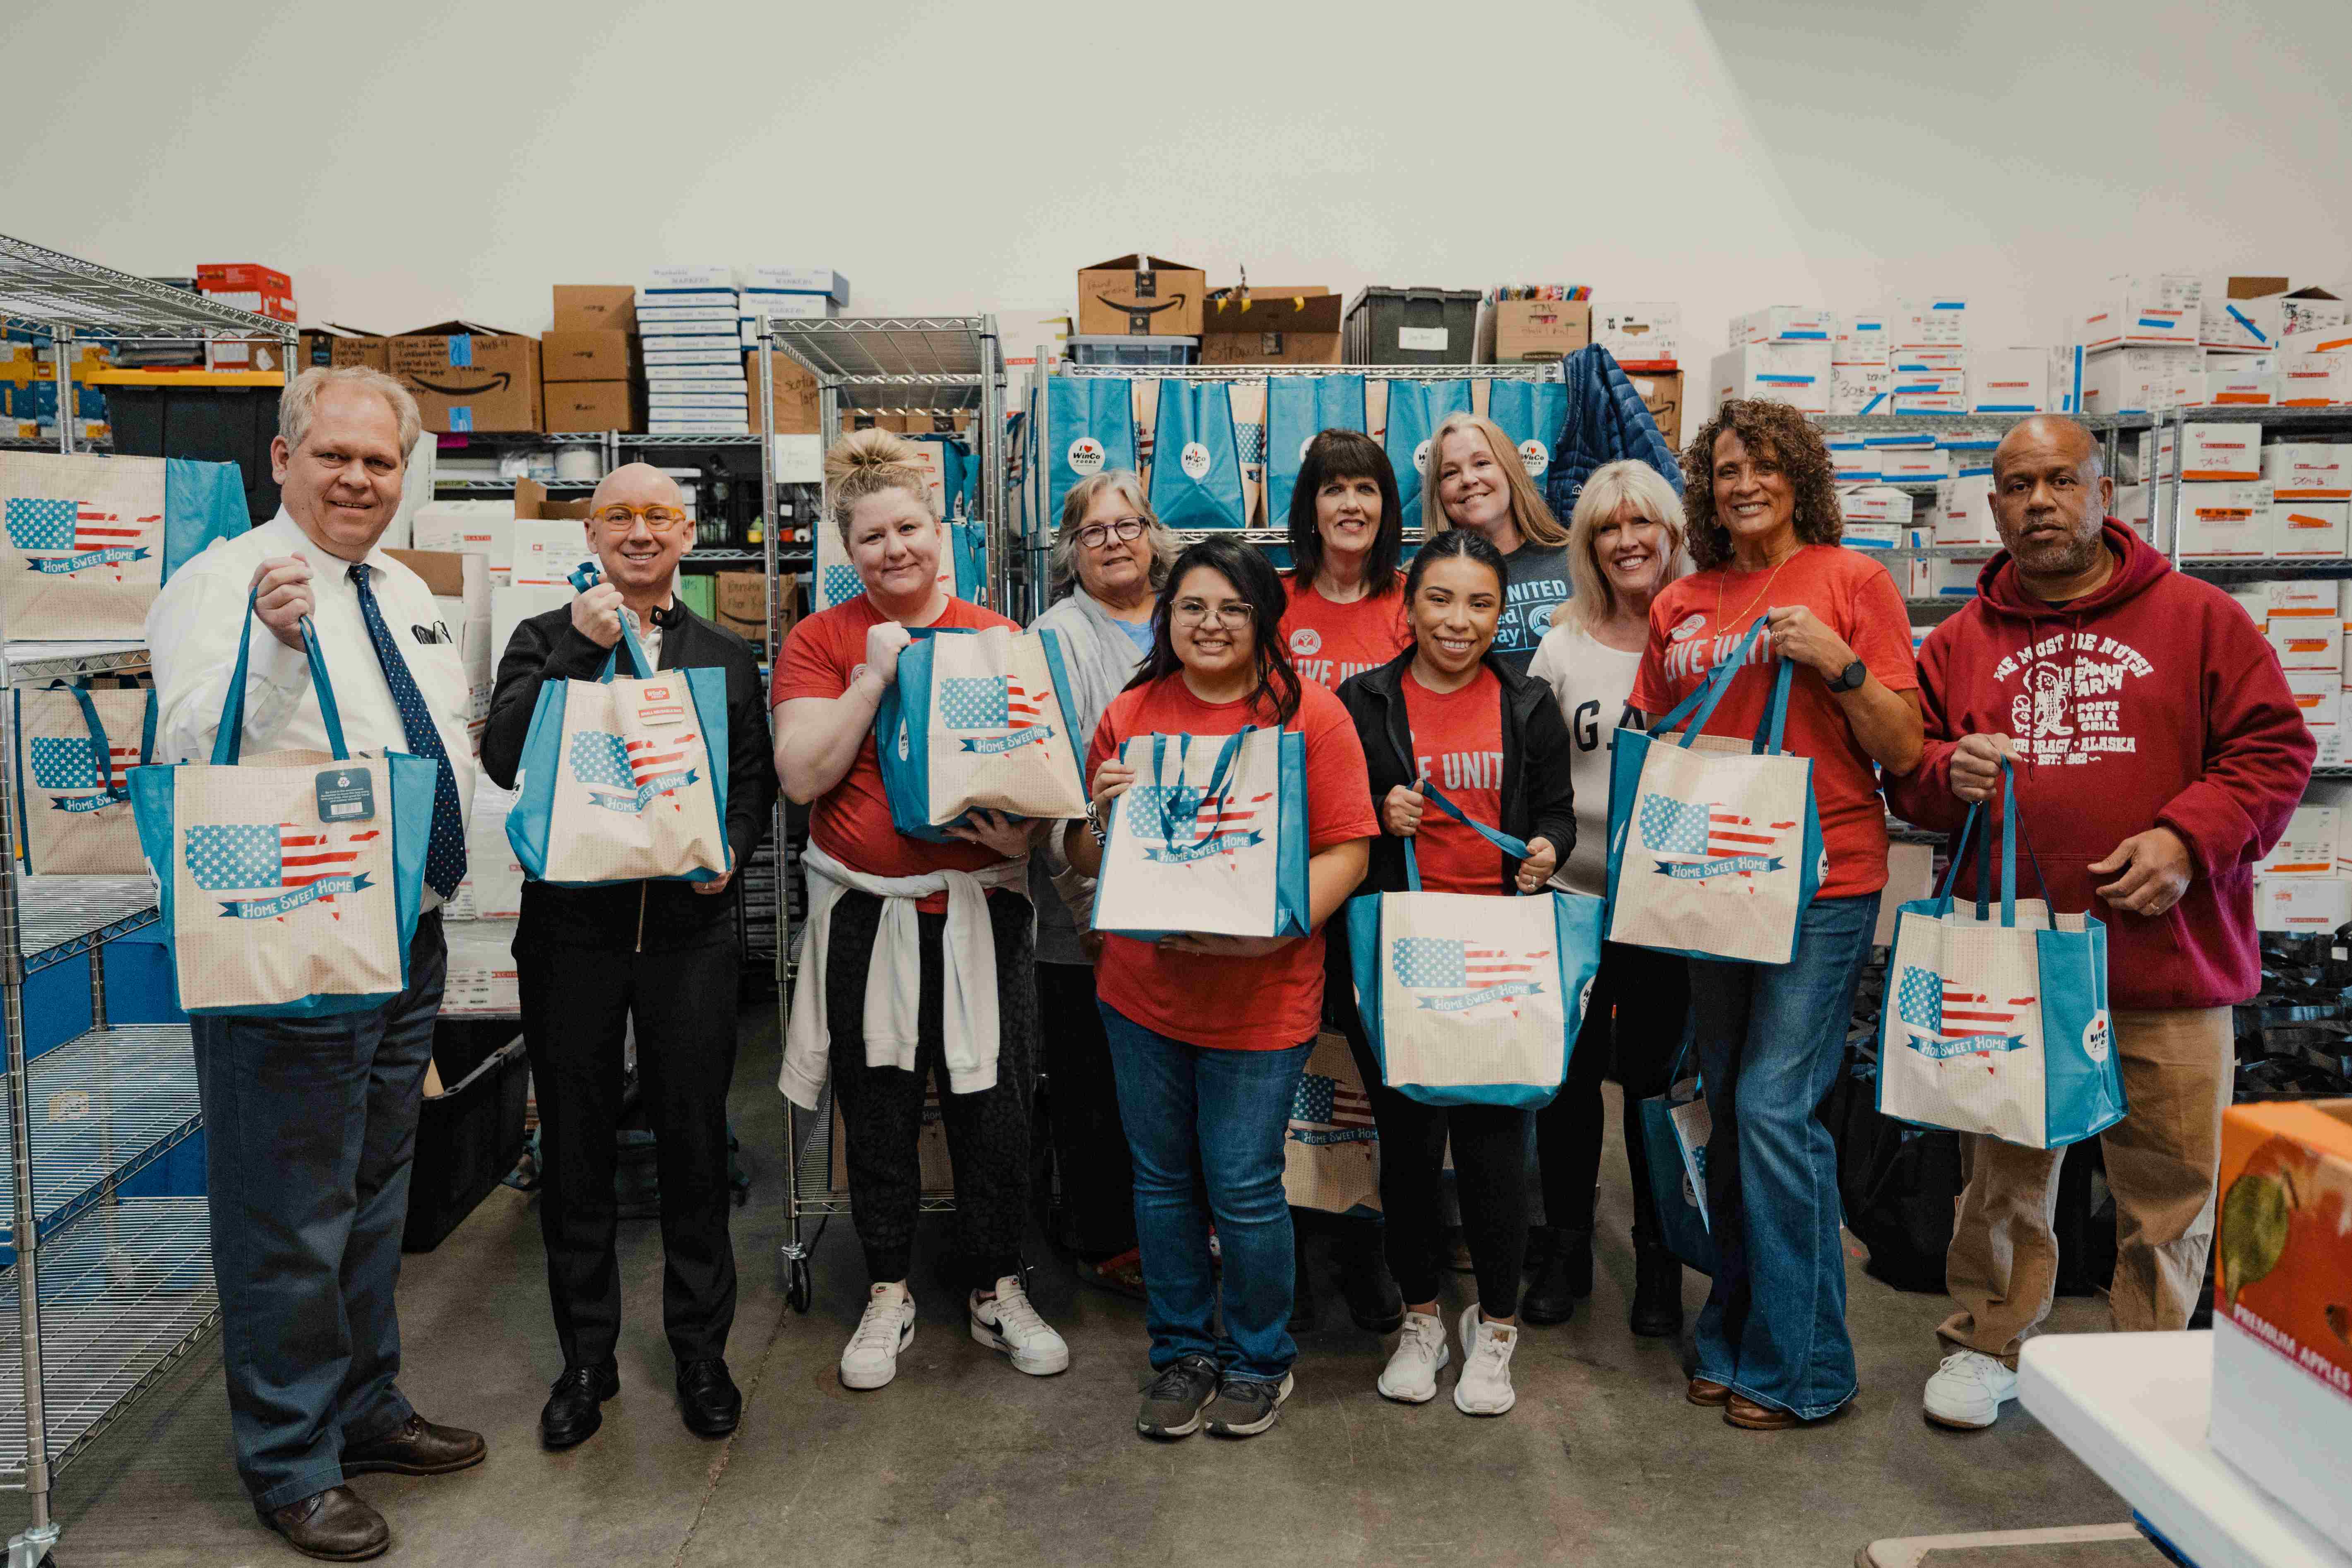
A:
[1662,394]
[242,277]
[606,355]
[593,405]
[1860,338]
[2308,905]
[470,377]
[2226,519]
[510,606]
[819,280]
[1794,373]
[1934,320]
[2308,643]
[2296,597]
[2148,454]
[794,396]
[2308,470]
[254,354]
[1913,465]
[2318,375]
[2282,1254]
[1782,324]
[1871,538]
[484,528]
[1645,335]
[2307,847]
[2317,693]
[2156,310]
[317,343]
[547,551]
[1861,388]
[1877,505]
[2262,319]
[2140,380]
[595,307]
[531,500]
[2309,529]
[740,603]
[1141,296]
[2008,381]
[1956,576]
[2226,451]
[2230,386]
[688,274]
[1964,511]
[1023,333]
[2066,379]
[367,348]
[1511,332]
[1853,462]
[1276,326]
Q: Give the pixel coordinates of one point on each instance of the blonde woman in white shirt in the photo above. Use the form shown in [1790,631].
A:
[1624,543]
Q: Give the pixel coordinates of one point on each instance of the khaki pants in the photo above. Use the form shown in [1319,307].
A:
[2162,1159]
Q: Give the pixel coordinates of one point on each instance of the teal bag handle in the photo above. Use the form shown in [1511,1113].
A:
[1516,848]
[1226,753]
[229,742]
[100,748]
[1776,713]
[642,667]
[2011,817]
[1710,692]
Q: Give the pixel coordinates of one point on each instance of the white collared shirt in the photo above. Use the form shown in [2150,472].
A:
[193,630]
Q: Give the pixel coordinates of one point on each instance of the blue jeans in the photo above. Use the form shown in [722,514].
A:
[1770,1039]
[309,1126]
[1201,1121]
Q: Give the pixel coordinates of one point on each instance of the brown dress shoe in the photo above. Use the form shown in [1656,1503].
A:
[416,1447]
[334,1526]
[1702,1392]
[1741,1411]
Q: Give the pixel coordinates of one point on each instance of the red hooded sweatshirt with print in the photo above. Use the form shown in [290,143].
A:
[2153,700]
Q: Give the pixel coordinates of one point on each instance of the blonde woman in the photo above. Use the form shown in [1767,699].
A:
[1624,543]
[1480,485]
[906,938]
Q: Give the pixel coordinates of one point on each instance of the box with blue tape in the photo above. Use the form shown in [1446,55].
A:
[470,377]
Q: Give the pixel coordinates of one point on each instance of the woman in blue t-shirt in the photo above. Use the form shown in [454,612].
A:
[1480,485]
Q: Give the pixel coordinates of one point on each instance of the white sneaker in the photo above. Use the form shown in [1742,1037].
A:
[872,1358]
[1009,1324]
[1484,1386]
[1410,1376]
[1967,1390]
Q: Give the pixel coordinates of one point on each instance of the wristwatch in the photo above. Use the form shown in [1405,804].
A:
[1850,678]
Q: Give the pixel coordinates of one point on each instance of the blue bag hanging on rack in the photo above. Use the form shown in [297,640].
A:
[291,884]
[1211,837]
[1297,409]
[1995,1019]
[74,746]
[90,541]
[1090,426]
[1196,460]
[1416,408]
[1712,853]
[1471,999]
[1676,1127]
[1531,413]
[978,720]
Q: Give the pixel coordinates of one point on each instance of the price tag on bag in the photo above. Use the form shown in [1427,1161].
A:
[661,703]
[346,795]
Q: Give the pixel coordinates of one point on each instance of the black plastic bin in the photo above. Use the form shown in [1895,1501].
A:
[1411,326]
[468,1138]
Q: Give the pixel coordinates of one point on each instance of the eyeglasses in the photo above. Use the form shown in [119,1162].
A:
[659,519]
[1193,612]
[1126,530]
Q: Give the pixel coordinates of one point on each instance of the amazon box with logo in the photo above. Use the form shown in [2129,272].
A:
[740,603]
[1511,332]
[1663,396]
[1274,326]
[470,377]
[1141,296]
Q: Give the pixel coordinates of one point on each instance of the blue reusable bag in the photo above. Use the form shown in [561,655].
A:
[1575,959]
[1088,428]
[1297,409]
[1416,408]
[408,813]
[902,730]
[47,763]
[1126,901]
[1531,413]
[1681,1204]
[1196,457]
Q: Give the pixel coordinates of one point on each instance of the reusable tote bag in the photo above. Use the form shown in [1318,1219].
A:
[1995,1021]
[1331,1149]
[1713,854]
[623,778]
[1531,413]
[1090,426]
[979,719]
[290,883]
[1676,1127]
[74,747]
[1416,408]
[1211,837]
[1196,461]
[90,541]
[1472,999]
[1297,409]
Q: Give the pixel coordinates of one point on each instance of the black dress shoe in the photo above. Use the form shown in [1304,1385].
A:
[334,1526]
[1551,1292]
[416,1447]
[708,1398]
[1658,1311]
[573,1412]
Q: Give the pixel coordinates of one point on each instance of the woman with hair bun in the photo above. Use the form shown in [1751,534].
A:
[918,959]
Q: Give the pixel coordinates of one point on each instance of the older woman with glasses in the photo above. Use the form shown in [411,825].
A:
[1110,556]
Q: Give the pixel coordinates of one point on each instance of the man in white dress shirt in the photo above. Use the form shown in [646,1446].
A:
[311,1123]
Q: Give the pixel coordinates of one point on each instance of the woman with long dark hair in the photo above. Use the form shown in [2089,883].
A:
[1208,1034]
[1346,609]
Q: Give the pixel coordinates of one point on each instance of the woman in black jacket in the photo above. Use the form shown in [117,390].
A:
[1447,713]
[590,958]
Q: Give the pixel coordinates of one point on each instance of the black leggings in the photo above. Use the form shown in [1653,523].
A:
[1089,1144]
[1633,1030]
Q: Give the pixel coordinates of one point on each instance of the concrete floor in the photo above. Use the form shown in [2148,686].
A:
[964,1461]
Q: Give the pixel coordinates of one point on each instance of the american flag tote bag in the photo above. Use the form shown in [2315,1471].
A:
[1211,837]
[623,778]
[978,720]
[290,883]
[1332,1148]
[1712,853]
[1996,1018]
[86,542]
[74,748]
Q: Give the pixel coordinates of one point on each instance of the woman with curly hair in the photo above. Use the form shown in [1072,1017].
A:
[1773,1351]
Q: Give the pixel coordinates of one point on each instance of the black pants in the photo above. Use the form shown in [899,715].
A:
[1089,1144]
[576,1004]
[1633,1030]
[882,1108]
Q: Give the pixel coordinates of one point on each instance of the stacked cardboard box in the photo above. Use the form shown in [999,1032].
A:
[247,286]
[690,327]
[1782,351]
[590,359]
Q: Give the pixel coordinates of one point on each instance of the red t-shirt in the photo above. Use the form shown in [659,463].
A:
[1700,620]
[1330,642]
[1266,1004]
[822,656]
[1457,743]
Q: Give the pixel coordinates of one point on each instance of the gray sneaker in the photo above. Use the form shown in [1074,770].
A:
[1247,1407]
[1172,1401]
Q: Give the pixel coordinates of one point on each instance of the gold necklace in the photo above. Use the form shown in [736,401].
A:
[1720,623]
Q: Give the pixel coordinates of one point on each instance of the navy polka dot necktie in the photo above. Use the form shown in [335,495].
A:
[445,850]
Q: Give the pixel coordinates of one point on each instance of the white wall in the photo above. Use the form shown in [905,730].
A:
[458,156]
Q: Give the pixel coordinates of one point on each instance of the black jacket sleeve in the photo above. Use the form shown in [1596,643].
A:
[1551,798]
[544,648]
[751,756]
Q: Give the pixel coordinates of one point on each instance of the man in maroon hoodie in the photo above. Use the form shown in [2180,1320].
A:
[2157,756]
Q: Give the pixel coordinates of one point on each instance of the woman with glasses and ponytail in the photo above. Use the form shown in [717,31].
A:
[1208,1033]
